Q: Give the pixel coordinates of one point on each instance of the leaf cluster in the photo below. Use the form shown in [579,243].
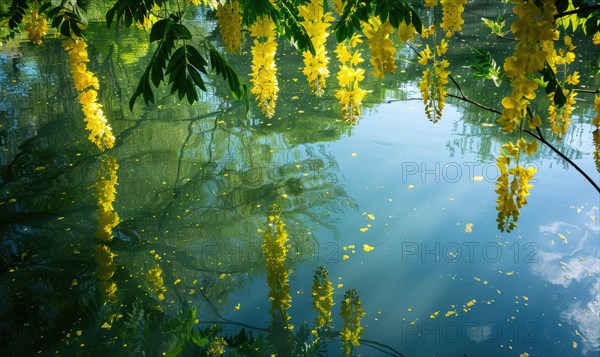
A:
[358,11]
[486,67]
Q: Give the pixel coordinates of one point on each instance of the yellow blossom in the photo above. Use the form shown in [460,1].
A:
[264,69]
[229,20]
[380,45]
[36,27]
[451,18]
[350,95]
[316,22]
[86,82]
[406,32]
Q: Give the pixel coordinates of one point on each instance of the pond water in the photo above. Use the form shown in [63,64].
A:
[195,184]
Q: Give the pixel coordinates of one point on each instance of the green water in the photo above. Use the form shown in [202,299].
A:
[195,184]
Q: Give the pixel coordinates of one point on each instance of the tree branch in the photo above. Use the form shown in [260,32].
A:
[582,10]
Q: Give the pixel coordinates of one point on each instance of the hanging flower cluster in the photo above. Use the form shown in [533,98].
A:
[87,84]
[350,95]
[105,269]
[322,293]
[512,193]
[229,20]
[316,23]
[560,118]
[36,27]
[381,46]
[275,253]
[351,312]
[452,18]
[433,84]
[534,29]
[264,69]
[106,193]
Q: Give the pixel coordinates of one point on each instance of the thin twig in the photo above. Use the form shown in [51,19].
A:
[541,138]
[477,104]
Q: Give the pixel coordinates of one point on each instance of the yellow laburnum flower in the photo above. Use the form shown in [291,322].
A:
[263,27]
[275,253]
[569,57]
[573,79]
[531,147]
[338,6]
[322,293]
[316,22]
[36,27]
[512,114]
[525,29]
[380,45]
[424,85]
[524,87]
[569,42]
[428,31]
[430,3]
[513,68]
[106,194]
[406,32]
[424,55]
[264,70]
[351,312]
[350,95]
[512,193]
[560,118]
[87,83]
[441,49]
[229,20]
[433,84]
[452,17]
[530,56]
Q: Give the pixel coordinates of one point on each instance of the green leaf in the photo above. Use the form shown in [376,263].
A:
[180,32]
[160,29]
[17,11]
[222,67]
